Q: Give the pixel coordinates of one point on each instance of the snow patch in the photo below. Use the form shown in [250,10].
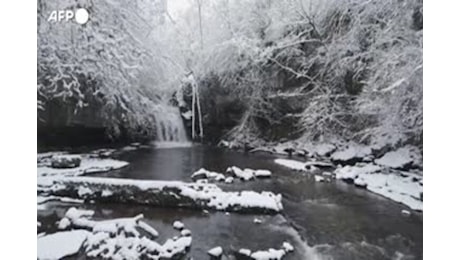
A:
[61,244]
[216,251]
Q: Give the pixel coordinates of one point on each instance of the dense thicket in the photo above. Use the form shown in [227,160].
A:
[109,73]
[328,69]
[311,69]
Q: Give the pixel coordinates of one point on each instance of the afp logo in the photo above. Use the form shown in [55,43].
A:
[81,16]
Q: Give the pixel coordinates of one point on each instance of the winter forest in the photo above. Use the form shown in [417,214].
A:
[230,129]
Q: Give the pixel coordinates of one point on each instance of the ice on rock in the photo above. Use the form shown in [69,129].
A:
[216,251]
[178,225]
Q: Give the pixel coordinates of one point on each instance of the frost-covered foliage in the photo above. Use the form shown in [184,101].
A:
[109,72]
[353,67]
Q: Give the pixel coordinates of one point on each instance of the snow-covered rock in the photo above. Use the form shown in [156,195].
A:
[64,223]
[60,244]
[246,174]
[216,252]
[229,179]
[186,232]
[319,178]
[257,220]
[360,182]
[115,238]
[262,173]
[349,173]
[178,225]
[350,155]
[293,164]
[402,158]
[87,165]
[205,174]
[65,161]
[270,254]
[245,252]
[288,247]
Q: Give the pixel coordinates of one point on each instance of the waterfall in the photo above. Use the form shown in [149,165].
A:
[170,131]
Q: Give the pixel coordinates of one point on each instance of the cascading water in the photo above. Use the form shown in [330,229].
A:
[170,131]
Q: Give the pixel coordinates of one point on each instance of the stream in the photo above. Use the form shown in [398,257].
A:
[321,220]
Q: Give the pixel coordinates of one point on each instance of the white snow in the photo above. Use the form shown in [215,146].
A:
[116,238]
[64,223]
[319,178]
[352,151]
[245,251]
[208,175]
[405,212]
[186,232]
[187,115]
[293,164]
[270,254]
[257,220]
[61,244]
[211,195]
[401,157]
[82,191]
[178,225]
[229,179]
[262,173]
[87,165]
[393,186]
[351,172]
[288,247]
[216,251]
[246,174]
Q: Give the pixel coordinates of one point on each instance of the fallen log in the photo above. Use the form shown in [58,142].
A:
[160,194]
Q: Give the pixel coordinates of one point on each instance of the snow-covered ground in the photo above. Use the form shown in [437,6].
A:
[402,187]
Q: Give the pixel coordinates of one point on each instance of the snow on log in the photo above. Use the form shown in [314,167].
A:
[161,193]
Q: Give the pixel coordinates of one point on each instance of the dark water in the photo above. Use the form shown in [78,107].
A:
[322,220]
